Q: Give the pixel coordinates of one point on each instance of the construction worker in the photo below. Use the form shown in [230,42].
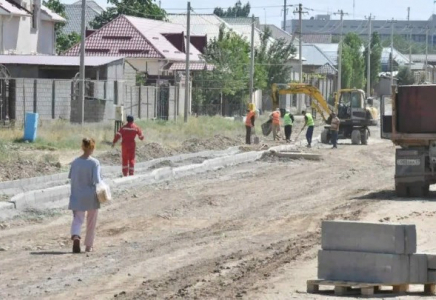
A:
[275,116]
[334,129]
[288,121]
[308,121]
[128,134]
[249,124]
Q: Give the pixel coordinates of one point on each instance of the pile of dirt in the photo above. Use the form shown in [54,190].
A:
[218,142]
[143,153]
[27,168]
[154,150]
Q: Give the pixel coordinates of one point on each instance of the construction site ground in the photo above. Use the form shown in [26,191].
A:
[250,231]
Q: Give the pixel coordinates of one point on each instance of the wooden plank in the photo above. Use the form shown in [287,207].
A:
[401,289]
[368,291]
[341,290]
[430,289]
[312,288]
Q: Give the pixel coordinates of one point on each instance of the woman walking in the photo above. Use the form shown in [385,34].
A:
[84,176]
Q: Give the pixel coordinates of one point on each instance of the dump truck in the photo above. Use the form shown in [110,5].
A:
[350,105]
[408,120]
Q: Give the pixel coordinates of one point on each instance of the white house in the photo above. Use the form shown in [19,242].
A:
[27,27]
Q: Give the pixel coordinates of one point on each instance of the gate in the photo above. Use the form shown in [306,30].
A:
[7,100]
[163,101]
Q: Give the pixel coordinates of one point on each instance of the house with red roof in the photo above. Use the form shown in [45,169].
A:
[154,48]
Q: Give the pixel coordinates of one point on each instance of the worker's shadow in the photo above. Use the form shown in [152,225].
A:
[389,195]
[50,253]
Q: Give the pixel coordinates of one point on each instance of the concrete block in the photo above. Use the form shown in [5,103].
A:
[363,267]
[431,276]
[368,237]
[418,268]
[431,261]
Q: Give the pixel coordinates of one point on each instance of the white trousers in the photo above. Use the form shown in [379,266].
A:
[91,223]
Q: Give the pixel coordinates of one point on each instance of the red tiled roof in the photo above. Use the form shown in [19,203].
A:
[118,38]
[134,38]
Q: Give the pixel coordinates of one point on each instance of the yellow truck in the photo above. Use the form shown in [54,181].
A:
[350,105]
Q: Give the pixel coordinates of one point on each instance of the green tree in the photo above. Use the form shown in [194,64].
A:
[230,55]
[274,58]
[405,76]
[136,8]
[376,54]
[353,62]
[63,41]
[238,10]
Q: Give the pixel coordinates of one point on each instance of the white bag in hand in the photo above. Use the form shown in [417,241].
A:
[103,192]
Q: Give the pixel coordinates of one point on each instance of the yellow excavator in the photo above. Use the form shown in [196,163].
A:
[350,105]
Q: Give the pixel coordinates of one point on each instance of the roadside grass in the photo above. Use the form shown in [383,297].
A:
[62,135]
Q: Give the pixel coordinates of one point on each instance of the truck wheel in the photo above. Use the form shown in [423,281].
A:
[355,137]
[364,137]
[325,136]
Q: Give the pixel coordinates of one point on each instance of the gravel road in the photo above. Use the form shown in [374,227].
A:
[250,232]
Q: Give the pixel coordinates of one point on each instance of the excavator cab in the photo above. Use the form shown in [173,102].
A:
[352,105]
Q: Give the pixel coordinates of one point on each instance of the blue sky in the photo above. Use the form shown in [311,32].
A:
[382,9]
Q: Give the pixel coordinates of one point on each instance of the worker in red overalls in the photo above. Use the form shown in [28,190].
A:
[128,134]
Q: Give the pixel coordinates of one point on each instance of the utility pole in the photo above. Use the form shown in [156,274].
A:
[368,69]
[300,13]
[252,60]
[410,37]
[284,16]
[426,52]
[82,66]
[188,44]
[392,50]
[354,9]
[341,13]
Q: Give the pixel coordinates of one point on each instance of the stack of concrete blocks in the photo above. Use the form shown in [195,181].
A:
[373,253]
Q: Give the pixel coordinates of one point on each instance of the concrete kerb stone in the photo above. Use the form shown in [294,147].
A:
[431,261]
[167,174]
[418,268]
[6,205]
[363,267]
[307,156]
[23,185]
[431,276]
[368,237]
[59,193]
[34,198]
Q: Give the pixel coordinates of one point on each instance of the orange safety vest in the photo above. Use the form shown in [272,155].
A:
[276,117]
[248,119]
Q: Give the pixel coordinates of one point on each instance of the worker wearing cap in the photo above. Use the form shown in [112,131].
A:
[249,124]
[128,133]
[275,116]
[288,121]
[308,121]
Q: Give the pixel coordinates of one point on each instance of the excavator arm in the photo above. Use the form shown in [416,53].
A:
[318,101]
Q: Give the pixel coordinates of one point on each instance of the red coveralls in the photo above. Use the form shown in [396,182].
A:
[128,134]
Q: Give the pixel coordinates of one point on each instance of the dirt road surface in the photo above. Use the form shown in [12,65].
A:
[248,232]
